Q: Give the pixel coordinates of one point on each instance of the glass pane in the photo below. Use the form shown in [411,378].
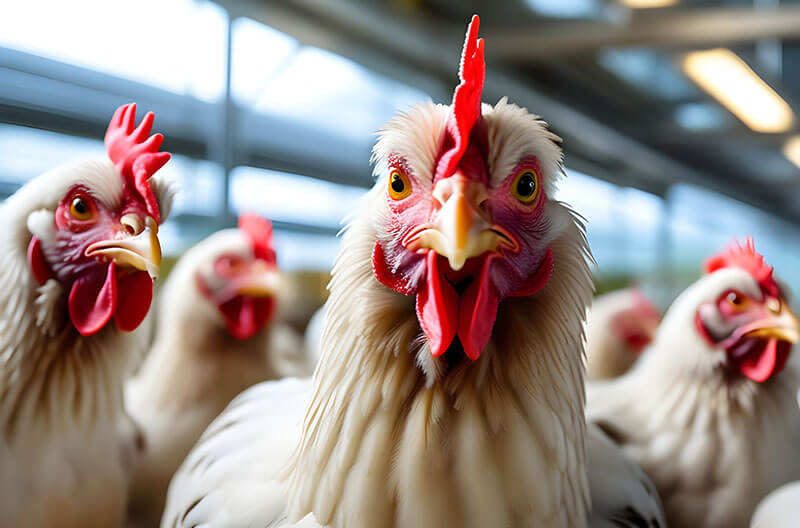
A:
[177,45]
[325,90]
[259,53]
[292,198]
[300,251]
[28,152]
[199,186]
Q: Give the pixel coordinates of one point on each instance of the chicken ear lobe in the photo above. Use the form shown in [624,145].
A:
[41,271]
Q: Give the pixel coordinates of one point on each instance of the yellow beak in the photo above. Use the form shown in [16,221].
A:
[460,230]
[262,281]
[784,327]
[141,251]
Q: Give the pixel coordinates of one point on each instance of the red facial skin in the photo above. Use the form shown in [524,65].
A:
[99,290]
[756,358]
[464,217]
[637,324]
[458,308]
[244,315]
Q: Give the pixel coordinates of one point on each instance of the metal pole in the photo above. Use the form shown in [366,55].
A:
[228,128]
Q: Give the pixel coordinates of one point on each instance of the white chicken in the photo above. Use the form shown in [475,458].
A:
[312,337]
[79,252]
[707,411]
[217,336]
[619,326]
[450,387]
[780,509]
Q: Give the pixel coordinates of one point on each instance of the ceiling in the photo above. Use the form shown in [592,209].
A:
[605,76]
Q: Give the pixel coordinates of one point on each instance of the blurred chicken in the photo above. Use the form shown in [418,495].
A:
[450,389]
[216,337]
[619,326]
[707,411]
[79,251]
[312,337]
[780,509]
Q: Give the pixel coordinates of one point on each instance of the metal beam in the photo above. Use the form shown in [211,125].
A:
[339,26]
[673,28]
[51,95]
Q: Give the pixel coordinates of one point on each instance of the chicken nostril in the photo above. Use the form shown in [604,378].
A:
[132,224]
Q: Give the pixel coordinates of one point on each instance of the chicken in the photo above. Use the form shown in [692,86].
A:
[709,411]
[618,327]
[622,494]
[780,509]
[217,336]
[80,251]
[312,337]
[450,388]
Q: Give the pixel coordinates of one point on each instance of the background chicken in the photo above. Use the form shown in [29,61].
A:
[707,411]
[216,337]
[312,336]
[79,254]
[450,387]
[619,326]
[780,509]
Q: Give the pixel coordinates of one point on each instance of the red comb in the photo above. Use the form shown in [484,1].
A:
[747,258]
[466,101]
[259,232]
[136,155]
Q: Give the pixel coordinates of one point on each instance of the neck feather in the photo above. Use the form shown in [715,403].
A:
[495,442]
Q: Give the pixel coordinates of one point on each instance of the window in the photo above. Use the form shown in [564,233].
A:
[177,45]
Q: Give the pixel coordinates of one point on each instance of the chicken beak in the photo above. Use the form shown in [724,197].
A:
[783,327]
[460,229]
[140,251]
[261,281]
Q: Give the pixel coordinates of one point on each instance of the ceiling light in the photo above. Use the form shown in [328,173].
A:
[792,151]
[644,4]
[730,80]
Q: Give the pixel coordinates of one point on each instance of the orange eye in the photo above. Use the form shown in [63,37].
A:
[230,265]
[399,185]
[525,186]
[736,300]
[80,208]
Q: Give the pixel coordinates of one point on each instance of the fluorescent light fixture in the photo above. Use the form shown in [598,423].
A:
[792,151]
[730,80]
[644,4]
[564,8]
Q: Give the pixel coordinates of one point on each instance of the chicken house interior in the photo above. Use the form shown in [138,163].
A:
[399,263]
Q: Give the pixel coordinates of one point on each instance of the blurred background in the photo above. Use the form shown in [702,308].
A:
[678,116]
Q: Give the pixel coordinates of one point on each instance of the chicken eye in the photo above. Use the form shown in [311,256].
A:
[736,300]
[229,265]
[80,209]
[399,185]
[233,263]
[525,186]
